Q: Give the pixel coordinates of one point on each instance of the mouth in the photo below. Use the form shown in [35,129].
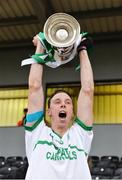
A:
[62,114]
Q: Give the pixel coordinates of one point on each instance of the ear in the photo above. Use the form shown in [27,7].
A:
[49,112]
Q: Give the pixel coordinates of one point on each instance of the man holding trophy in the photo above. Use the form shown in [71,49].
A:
[59,151]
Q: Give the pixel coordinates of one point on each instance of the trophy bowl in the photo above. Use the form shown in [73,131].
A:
[61,30]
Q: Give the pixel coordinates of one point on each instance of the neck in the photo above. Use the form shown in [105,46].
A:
[59,131]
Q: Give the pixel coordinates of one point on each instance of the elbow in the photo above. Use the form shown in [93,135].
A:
[88,88]
[35,85]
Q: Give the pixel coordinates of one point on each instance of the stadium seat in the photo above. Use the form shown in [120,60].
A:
[119,165]
[103,164]
[25,158]
[9,172]
[12,160]
[102,171]
[106,164]
[21,172]
[110,158]
[101,177]
[96,177]
[3,176]
[116,177]
[22,168]
[94,159]
[2,164]
[2,158]
[118,171]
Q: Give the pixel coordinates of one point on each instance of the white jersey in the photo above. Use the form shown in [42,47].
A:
[52,157]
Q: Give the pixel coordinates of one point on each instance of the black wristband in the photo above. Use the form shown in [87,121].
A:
[85,44]
[81,48]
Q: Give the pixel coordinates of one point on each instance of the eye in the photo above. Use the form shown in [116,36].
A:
[57,101]
[68,102]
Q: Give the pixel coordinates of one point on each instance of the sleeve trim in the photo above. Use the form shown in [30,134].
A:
[31,128]
[85,127]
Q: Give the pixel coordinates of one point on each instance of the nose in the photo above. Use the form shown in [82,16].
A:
[63,105]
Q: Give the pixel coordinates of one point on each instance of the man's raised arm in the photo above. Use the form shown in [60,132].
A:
[36,94]
[85,99]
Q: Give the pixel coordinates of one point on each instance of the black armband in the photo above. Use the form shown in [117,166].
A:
[85,44]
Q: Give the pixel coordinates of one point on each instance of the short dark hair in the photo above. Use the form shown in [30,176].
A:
[25,110]
[56,92]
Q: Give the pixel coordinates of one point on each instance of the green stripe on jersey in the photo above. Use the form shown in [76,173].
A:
[87,128]
[52,144]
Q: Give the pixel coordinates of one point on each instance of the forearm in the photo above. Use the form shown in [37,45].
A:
[86,73]
[36,95]
[36,71]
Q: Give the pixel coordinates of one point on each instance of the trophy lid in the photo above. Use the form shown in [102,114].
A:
[61,30]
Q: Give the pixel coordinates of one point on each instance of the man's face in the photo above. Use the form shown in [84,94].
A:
[61,110]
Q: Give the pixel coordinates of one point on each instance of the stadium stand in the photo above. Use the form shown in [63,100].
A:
[13,167]
[104,167]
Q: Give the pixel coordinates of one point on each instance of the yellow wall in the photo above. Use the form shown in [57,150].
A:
[107,103]
[12,103]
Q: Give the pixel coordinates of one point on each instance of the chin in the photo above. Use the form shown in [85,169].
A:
[63,124]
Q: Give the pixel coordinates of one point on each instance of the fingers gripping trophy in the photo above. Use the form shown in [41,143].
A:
[60,38]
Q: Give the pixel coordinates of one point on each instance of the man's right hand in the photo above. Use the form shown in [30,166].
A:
[37,43]
[36,40]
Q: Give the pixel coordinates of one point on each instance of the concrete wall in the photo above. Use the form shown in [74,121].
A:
[106,141]
[106,60]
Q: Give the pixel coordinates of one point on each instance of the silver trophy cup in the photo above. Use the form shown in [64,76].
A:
[60,38]
[62,32]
